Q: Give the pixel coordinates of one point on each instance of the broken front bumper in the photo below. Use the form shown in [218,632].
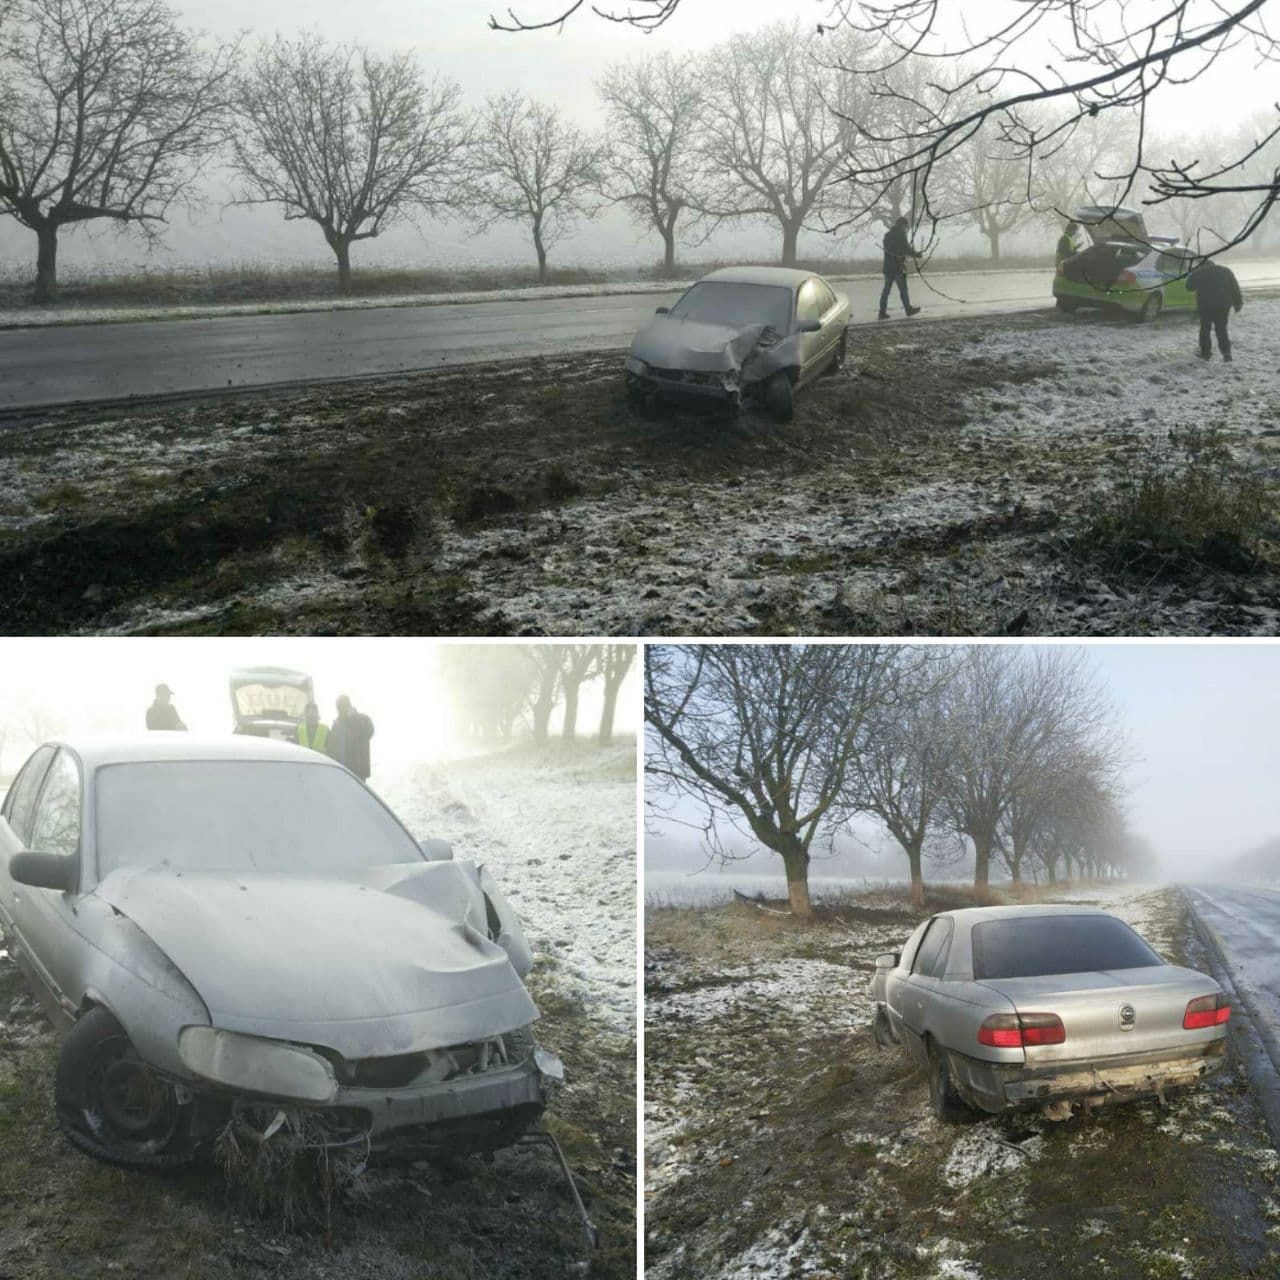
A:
[998,1087]
[693,384]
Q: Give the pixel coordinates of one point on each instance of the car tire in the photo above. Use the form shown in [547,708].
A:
[1151,308]
[779,398]
[842,352]
[112,1106]
[1066,304]
[944,1101]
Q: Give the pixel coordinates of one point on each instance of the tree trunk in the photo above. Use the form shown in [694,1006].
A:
[342,251]
[790,234]
[796,860]
[994,236]
[605,735]
[541,250]
[669,248]
[570,712]
[917,875]
[982,869]
[46,263]
[1015,868]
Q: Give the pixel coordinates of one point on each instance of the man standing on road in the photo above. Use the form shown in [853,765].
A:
[162,714]
[311,733]
[349,739]
[1217,291]
[1067,246]
[897,249]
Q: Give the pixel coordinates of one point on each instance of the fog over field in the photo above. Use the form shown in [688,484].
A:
[560,66]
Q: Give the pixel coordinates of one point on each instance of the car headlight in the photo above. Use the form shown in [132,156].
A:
[637,366]
[257,1065]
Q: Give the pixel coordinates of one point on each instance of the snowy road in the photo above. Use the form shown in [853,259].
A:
[66,363]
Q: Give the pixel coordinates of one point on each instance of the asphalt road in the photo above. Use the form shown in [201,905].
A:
[66,363]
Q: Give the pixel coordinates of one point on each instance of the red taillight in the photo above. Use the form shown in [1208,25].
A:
[1126,277]
[1018,1030]
[1206,1011]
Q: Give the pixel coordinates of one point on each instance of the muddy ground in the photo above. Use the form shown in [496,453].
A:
[918,491]
[780,1142]
[64,1216]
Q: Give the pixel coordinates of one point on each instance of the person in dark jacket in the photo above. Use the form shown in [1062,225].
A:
[897,249]
[162,714]
[1217,293]
[349,739]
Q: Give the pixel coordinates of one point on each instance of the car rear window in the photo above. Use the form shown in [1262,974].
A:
[727,302]
[1034,946]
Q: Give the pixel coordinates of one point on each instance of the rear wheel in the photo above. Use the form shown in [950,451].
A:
[842,352]
[1066,304]
[779,398]
[945,1102]
[1151,308]
[113,1106]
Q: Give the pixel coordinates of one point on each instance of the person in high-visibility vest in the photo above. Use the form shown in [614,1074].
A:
[1067,246]
[311,732]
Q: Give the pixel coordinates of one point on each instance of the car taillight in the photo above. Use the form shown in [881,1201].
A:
[1018,1030]
[1126,277]
[1206,1011]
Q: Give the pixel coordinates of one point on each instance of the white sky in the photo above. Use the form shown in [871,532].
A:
[106,683]
[452,38]
[1203,726]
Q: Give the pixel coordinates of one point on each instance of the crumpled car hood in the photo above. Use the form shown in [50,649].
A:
[710,348]
[394,960]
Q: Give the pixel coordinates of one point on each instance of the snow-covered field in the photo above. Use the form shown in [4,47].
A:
[559,838]
[714,889]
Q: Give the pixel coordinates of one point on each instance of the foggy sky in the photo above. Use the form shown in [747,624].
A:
[453,39]
[1203,729]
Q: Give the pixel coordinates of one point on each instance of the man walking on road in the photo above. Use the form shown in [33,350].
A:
[897,249]
[1217,292]
[162,714]
[311,733]
[349,739]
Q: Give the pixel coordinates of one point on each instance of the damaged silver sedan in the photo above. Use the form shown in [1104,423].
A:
[237,932]
[1057,1007]
[742,333]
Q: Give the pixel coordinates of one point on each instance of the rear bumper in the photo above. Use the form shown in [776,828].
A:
[996,1087]
[1086,295]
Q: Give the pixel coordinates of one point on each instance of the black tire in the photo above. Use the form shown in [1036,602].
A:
[1066,304]
[112,1106]
[842,352]
[1151,308]
[945,1102]
[779,398]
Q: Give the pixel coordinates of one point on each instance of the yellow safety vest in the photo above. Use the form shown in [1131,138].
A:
[322,736]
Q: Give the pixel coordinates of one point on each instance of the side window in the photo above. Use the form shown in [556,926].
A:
[934,965]
[807,307]
[826,299]
[57,822]
[930,947]
[21,800]
[1168,264]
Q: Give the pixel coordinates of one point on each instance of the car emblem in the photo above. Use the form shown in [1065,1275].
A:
[1127,1017]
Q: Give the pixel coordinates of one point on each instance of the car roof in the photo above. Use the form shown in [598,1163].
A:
[982,915]
[96,750]
[789,277]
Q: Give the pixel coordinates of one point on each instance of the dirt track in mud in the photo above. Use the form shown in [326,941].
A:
[919,491]
[781,1143]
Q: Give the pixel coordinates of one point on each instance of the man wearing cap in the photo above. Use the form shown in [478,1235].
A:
[162,714]
[311,733]
[349,739]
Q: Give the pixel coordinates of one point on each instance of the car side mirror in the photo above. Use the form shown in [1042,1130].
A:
[810,326]
[45,871]
[889,961]
[662,311]
[436,850]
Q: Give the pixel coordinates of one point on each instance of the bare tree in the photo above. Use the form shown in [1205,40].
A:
[654,106]
[776,128]
[108,110]
[762,738]
[615,662]
[1107,62]
[578,664]
[348,140]
[643,14]
[534,167]
[546,664]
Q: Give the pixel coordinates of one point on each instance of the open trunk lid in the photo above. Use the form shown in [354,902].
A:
[1093,1008]
[1111,222]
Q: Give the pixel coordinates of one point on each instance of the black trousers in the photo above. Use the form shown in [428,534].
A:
[900,279]
[1215,322]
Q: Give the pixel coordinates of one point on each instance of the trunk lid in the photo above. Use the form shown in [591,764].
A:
[1092,1008]
[1111,222]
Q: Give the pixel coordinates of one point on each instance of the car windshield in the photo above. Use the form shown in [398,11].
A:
[242,815]
[724,302]
[1032,947]
[271,700]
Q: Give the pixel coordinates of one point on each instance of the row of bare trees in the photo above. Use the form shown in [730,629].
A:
[1004,755]
[496,690]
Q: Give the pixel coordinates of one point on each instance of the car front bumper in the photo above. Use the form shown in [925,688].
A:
[996,1087]
[682,384]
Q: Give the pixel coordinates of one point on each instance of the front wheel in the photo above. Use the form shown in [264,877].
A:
[946,1103]
[779,398]
[1065,304]
[113,1106]
[1151,308]
[842,352]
